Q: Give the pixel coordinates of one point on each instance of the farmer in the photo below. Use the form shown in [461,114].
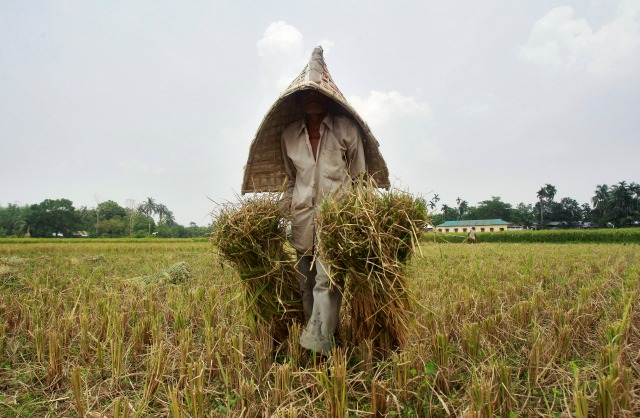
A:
[471,239]
[323,153]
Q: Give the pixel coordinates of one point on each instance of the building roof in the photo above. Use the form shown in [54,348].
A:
[474,222]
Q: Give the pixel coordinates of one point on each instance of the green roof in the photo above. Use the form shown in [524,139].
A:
[474,222]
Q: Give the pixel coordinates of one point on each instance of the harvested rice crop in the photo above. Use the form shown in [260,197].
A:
[251,236]
[368,236]
[174,274]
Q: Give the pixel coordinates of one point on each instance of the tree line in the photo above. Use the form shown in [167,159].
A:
[617,205]
[59,218]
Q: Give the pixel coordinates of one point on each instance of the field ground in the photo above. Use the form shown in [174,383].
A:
[101,329]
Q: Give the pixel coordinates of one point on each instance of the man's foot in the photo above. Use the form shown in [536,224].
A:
[313,341]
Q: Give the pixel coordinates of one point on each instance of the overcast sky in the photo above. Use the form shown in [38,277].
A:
[118,100]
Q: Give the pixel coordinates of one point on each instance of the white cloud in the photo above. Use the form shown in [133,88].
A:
[402,125]
[475,109]
[279,37]
[381,108]
[281,52]
[284,80]
[562,41]
[327,46]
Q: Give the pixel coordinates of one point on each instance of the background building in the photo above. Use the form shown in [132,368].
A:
[482,225]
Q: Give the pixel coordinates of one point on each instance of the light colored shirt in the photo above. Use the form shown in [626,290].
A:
[340,158]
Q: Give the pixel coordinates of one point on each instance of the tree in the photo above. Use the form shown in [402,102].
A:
[546,193]
[169,219]
[523,215]
[110,209]
[494,208]
[86,216]
[194,230]
[622,205]
[53,218]
[618,204]
[164,231]
[463,207]
[161,210]
[586,211]
[449,213]
[567,211]
[148,208]
[601,199]
[131,214]
[13,219]
[634,188]
[433,203]
[115,227]
[601,196]
[140,227]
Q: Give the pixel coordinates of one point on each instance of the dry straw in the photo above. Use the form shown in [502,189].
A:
[174,274]
[9,267]
[251,235]
[368,237]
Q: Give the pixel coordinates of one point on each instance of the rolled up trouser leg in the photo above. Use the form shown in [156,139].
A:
[307,280]
[327,298]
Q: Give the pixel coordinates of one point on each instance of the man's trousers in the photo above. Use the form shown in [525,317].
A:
[321,300]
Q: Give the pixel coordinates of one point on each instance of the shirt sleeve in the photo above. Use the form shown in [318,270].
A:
[355,153]
[290,172]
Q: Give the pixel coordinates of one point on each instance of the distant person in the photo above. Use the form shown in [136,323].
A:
[472,239]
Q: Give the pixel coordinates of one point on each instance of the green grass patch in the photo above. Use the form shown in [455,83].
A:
[560,236]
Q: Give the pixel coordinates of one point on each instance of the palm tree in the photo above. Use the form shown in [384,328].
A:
[20,225]
[546,192]
[601,196]
[635,189]
[551,191]
[149,208]
[618,204]
[601,201]
[463,207]
[541,196]
[622,203]
[161,210]
[169,219]
[433,202]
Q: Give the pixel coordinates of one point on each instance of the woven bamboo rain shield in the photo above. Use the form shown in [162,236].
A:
[264,171]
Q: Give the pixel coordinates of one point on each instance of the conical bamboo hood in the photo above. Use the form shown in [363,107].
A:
[264,171]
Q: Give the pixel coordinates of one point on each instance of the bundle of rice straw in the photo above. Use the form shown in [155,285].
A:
[9,268]
[369,235]
[251,235]
[6,271]
[175,274]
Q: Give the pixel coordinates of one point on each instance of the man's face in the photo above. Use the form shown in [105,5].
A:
[313,102]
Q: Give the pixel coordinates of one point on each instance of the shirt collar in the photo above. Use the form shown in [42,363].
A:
[328,121]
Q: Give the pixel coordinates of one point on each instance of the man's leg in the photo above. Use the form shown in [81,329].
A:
[327,298]
[307,280]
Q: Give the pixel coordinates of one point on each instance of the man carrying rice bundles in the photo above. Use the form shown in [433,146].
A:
[316,145]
